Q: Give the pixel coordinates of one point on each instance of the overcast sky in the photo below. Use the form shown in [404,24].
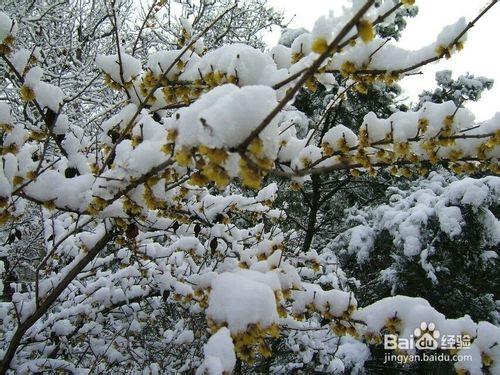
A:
[481,55]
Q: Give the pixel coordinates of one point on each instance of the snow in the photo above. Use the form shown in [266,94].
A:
[186,25]
[323,28]
[186,337]
[249,65]
[340,135]
[219,354]
[307,156]
[410,214]
[74,193]
[450,220]
[160,61]
[121,119]
[110,64]
[281,56]
[2,271]
[209,122]
[391,57]
[21,57]
[7,27]
[5,114]
[49,96]
[302,44]
[238,301]
[290,145]
[33,77]
[361,241]
[49,364]
[376,128]
[450,32]
[289,35]
[486,344]
[333,302]
[220,254]
[63,327]
[408,313]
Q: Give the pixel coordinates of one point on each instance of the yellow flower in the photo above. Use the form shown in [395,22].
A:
[17,180]
[183,157]
[108,81]
[198,179]
[216,174]
[167,148]
[265,163]
[131,207]
[136,140]
[327,149]
[363,137]
[5,45]
[405,172]
[311,85]
[401,149]
[168,94]
[96,205]
[49,205]
[362,88]
[423,125]
[486,359]
[455,154]
[448,122]
[296,56]
[265,351]
[31,175]
[347,68]
[365,30]
[443,51]
[27,94]
[319,45]
[4,217]
[392,324]
[250,177]
[390,78]
[232,79]
[494,168]
[6,127]
[217,156]
[295,186]
[256,147]
[384,156]
[339,329]
[218,77]
[5,49]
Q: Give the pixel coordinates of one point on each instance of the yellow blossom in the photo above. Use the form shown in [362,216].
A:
[365,30]
[319,45]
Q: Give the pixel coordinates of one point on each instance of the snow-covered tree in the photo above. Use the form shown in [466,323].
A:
[465,87]
[160,248]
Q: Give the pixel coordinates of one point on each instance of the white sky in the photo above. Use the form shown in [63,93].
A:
[480,57]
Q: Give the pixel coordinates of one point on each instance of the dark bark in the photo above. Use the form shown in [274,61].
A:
[313,212]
